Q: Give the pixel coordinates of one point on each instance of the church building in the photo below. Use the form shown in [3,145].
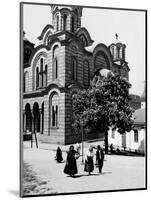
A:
[65,59]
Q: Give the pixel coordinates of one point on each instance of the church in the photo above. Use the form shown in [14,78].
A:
[66,58]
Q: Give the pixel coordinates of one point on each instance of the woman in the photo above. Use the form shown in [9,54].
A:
[59,155]
[89,165]
[99,158]
[71,165]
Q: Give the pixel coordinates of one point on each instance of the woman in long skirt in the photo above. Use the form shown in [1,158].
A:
[71,165]
[59,155]
[89,165]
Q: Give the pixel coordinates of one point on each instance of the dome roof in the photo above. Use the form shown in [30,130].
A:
[117,42]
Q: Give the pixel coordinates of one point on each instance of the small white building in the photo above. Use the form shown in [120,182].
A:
[135,139]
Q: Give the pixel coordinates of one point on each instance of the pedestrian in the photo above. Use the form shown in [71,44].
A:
[59,155]
[111,148]
[99,158]
[89,164]
[71,165]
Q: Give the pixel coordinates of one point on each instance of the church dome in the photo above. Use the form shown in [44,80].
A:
[117,49]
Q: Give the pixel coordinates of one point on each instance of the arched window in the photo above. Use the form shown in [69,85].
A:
[54,110]
[55,62]
[46,69]
[115,53]
[45,76]
[121,53]
[37,78]
[112,51]
[64,22]
[86,73]
[118,52]
[72,24]
[41,72]
[55,68]
[74,69]
[57,23]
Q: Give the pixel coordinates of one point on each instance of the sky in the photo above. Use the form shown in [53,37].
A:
[102,24]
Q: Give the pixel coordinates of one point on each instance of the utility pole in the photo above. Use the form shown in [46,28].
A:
[82,145]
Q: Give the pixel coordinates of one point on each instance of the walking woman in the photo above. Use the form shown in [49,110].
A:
[99,158]
[59,155]
[89,165]
[71,165]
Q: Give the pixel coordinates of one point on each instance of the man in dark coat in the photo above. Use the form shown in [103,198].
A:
[99,158]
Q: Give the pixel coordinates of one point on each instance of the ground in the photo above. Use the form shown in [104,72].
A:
[119,172]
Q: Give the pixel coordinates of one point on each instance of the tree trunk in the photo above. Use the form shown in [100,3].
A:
[106,142]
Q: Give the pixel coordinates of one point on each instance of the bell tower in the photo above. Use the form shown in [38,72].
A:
[117,50]
[66,18]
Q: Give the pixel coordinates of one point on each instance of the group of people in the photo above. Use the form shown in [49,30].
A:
[72,155]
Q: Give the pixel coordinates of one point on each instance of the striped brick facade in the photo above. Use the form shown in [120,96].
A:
[69,60]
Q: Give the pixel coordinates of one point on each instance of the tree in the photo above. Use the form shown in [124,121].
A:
[102,106]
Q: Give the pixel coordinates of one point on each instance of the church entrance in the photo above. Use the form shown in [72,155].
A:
[27,118]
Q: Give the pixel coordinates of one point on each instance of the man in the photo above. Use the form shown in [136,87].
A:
[99,158]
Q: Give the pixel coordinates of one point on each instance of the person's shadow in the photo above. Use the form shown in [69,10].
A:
[81,175]
[103,173]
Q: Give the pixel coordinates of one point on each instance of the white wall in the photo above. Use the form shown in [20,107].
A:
[130,143]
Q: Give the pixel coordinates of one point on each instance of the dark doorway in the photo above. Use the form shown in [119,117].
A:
[36,119]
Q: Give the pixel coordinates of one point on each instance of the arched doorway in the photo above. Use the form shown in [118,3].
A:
[36,119]
[28,118]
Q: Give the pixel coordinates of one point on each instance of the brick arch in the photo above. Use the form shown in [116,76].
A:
[45,40]
[83,32]
[47,28]
[102,57]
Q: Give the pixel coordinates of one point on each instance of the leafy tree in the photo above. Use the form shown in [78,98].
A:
[105,104]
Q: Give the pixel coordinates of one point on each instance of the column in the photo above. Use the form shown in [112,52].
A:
[32,130]
[32,123]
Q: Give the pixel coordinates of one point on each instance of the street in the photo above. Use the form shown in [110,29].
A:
[119,172]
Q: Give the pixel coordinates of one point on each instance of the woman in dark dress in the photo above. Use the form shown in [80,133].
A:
[99,158]
[59,155]
[89,165]
[71,165]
